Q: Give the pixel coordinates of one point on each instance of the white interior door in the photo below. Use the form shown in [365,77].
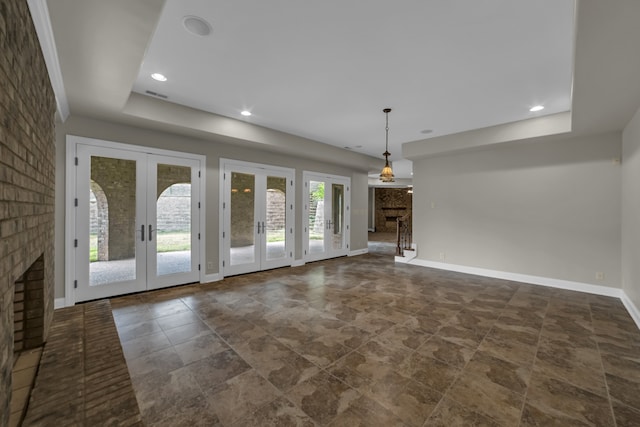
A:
[258,217]
[327,215]
[137,221]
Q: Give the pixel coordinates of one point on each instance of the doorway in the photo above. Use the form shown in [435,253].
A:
[327,216]
[136,218]
[258,217]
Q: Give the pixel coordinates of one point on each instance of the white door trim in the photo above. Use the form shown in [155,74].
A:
[330,179]
[289,173]
[72,142]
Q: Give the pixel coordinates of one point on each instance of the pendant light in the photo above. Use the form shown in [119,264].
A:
[387,174]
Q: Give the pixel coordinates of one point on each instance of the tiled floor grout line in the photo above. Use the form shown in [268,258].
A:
[535,356]
[604,373]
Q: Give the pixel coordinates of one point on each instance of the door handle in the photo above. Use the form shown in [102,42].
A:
[263,229]
[150,231]
[142,232]
[258,227]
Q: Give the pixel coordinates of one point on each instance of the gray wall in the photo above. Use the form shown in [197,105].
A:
[631,210]
[214,150]
[549,209]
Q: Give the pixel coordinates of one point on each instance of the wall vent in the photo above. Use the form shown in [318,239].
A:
[156,94]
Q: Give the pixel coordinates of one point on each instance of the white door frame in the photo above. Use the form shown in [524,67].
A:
[71,215]
[226,166]
[328,179]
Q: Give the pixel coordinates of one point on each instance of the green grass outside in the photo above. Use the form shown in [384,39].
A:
[181,241]
[166,242]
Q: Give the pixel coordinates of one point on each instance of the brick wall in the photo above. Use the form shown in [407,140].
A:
[27,156]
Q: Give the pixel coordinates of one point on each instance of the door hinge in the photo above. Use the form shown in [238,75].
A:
[290,254]
[224,205]
[347,246]
[75,284]
[292,206]
[223,263]
[223,234]
[198,236]
[199,174]
[224,176]
[198,267]
[76,161]
[75,202]
[75,243]
[291,230]
[347,227]
[305,251]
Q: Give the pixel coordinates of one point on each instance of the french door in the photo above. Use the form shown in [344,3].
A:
[258,218]
[327,216]
[137,224]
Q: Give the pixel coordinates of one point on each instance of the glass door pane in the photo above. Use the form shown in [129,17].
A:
[337,217]
[112,221]
[173,219]
[316,217]
[276,216]
[108,248]
[242,219]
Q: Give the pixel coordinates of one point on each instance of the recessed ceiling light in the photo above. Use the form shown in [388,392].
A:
[245,113]
[159,77]
[536,108]
[426,131]
[196,25]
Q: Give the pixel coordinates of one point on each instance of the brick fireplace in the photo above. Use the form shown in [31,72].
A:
[27,175]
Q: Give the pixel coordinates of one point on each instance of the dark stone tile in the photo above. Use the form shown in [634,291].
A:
[241,395]
[507,374]
[279,413]
[625,416]
[277,363]
[446,351]
[323,397]
[430,372]
[624,390]
[578,365]
[483,395]
[365,412]
[215,369]
[552,401]
[450,413]
[409,400]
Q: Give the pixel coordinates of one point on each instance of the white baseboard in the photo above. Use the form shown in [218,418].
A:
[298,263]
[358,252]
[631,308]
[215,277]
[59,303]
[525,278]
[634,312]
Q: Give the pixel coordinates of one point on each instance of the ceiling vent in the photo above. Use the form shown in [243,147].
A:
[156,94]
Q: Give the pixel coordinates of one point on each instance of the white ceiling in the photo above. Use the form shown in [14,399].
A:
[324,70]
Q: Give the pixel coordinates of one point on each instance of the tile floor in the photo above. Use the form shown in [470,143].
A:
[363,342]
